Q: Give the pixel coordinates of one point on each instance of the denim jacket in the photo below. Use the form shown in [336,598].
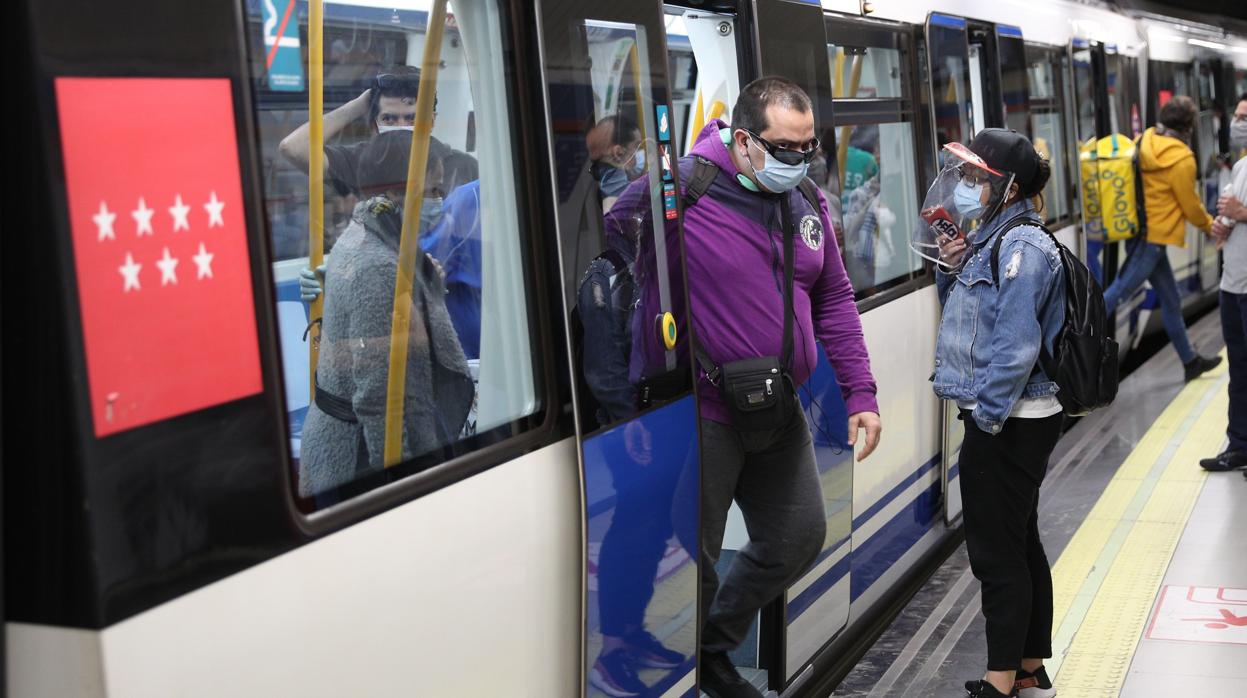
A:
[987,350]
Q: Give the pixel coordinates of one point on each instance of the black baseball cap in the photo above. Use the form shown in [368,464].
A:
[1008,151]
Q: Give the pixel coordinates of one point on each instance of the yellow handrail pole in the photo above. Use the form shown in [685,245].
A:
[855,79]
[409,247]
[636,85]
[699,122]
[315,173]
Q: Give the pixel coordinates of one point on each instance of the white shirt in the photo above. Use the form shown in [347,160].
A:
[1026,408]
[1234,275]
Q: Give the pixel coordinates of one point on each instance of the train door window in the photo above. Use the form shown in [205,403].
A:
[876,151]
[949,68]
[1013,85]
[702,54]
[468,374]
[1047,122]
[978,112]
[878,77]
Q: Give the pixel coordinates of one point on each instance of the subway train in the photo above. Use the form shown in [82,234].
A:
[180,520]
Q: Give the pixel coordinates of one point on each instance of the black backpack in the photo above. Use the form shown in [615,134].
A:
[1085,365]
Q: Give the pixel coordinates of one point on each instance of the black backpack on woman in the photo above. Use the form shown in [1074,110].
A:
[1085,365]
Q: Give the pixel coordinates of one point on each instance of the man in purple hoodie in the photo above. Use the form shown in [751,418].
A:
[733,244]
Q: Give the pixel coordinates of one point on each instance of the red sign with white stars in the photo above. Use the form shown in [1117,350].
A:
[160,246]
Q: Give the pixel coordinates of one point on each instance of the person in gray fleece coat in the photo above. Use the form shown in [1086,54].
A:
[355,338]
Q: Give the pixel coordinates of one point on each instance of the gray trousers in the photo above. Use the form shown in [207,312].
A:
[773,478]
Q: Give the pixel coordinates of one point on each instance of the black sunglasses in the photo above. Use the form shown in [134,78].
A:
[407,82]
[787,155]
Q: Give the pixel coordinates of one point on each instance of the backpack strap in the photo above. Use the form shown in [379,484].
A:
[1140,203]
[1046,361]
[810,191]
[617,261]
[1000,238]
[699,181]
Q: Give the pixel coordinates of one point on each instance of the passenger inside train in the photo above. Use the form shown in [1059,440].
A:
[345,431]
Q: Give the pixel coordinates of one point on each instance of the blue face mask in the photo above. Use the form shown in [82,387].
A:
[775,176]
[430,212]
[638,168]
[968,199]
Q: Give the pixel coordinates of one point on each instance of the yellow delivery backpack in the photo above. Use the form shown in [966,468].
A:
[1112,188]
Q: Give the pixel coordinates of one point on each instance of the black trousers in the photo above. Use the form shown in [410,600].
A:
[1000,478]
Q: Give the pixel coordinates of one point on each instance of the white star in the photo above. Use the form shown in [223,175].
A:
[104,222]
[168,266]
[143,217]
[204,262]
[213,208]
[130,271]
[179,211]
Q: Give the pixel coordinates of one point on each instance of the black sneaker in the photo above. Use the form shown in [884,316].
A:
[983,689]
[613,675]
[1199,366]
[1036,685]
[720,679]
[649,652]
[1228,460]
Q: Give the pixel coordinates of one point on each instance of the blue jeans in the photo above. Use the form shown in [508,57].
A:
[1149,262]
[1234,327]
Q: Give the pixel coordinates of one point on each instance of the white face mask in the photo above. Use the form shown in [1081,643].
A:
[1238,134]
[387,129]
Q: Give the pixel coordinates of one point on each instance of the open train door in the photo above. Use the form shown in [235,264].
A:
[714,49]
[611,134]
[953,111]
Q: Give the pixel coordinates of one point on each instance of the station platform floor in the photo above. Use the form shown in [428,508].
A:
[1148,552]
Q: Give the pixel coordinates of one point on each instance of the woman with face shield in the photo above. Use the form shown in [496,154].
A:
[344,434]
[996,319]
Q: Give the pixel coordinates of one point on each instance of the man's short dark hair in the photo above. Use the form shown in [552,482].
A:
[1179,114]
[750,110]
[1242,98]
[394,81]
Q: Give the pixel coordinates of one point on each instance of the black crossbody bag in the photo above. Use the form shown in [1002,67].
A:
[759,392]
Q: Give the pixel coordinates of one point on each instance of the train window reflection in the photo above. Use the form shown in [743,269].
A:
[387,403]
[949,91]
[879,201]
[1050,142]
[864,73]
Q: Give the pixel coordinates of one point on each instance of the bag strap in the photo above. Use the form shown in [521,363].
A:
[1009,225]
[790,234]
[1140,202]
[699,180]
[1046,362]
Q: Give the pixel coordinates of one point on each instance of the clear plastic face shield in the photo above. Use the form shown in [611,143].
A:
[964,196]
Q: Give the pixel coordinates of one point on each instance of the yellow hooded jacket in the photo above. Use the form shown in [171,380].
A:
[1168,168]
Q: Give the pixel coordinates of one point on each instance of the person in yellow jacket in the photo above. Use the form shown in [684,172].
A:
[1169,172]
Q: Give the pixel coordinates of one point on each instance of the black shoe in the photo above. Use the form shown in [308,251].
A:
[649,652]
[721,680]
[1199,366]
[982,689]
[613,675]
[1228,460]
[1036,685]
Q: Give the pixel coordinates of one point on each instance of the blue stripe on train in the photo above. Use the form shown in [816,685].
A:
[874,557]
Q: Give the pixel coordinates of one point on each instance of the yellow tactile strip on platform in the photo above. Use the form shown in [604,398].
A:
[1107,578]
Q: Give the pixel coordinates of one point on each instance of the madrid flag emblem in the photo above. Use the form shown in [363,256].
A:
[160,246]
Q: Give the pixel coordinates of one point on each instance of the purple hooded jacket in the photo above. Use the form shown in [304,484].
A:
[733,250]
